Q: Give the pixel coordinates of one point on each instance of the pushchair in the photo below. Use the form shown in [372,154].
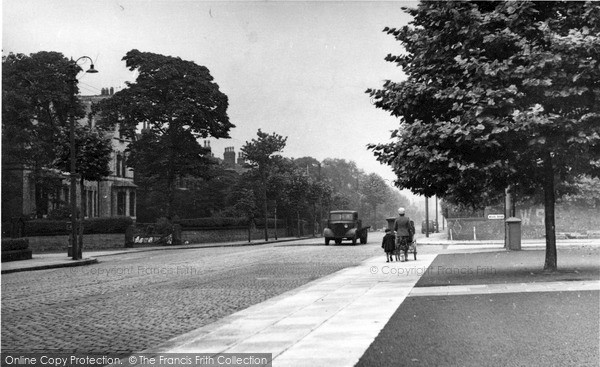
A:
[412,246]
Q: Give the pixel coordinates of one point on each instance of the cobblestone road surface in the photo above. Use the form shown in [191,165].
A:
[131,302]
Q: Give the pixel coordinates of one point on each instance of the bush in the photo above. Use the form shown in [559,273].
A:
[12,244]
[271,222]
[163,226]
[213,222]
[63,212]
[44,227]
[106,225]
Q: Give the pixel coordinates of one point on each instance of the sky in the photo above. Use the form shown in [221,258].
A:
[299,69]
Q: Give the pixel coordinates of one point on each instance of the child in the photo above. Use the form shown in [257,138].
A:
[389,244]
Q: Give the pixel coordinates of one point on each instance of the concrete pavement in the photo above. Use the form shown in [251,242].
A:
[329,322]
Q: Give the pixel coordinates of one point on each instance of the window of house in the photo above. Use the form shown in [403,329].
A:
[90,204]
[119,164]
[66,196]
[121,203]
[132,204]
[123,167]
[96,208]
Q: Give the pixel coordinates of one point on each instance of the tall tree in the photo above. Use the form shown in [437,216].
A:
[261,154]
[35,106]
[93,158]
[375,192]
[297,194]
[36,103]
[178,103]
[246,204]
[345,178]
[498,93]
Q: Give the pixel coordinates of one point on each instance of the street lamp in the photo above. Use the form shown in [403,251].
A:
[75,250]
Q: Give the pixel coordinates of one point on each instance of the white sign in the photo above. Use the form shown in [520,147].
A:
[495,216]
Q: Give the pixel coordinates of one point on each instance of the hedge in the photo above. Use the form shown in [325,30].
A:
[225,223]
[212,222]
[44,227]
[12,244]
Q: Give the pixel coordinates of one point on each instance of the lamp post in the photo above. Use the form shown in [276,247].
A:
[75,250]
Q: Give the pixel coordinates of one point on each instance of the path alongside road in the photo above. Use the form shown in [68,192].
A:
[329,322]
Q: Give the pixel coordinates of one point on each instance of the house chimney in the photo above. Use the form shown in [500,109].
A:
[229,157]
[240,160]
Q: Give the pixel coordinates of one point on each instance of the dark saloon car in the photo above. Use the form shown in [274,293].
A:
[432,228]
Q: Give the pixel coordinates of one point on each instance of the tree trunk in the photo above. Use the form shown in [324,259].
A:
[265,208]
[170,197]
[298,222]
[275,220]
[249,230]
[549,199]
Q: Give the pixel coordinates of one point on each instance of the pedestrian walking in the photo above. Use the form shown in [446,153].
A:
[404,233]
[389,245]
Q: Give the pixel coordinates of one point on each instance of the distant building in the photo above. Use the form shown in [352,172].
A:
[231,163]
[115,195]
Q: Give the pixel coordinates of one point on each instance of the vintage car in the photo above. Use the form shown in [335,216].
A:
[344,224]
[432,228]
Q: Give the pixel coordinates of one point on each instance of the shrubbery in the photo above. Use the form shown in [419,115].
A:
[12,244]
[62,213]
[219,222]
[107,225]
[44,227]
[47,227]
[271,222]
[213,222]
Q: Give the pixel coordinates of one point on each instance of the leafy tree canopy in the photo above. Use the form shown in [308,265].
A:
[497,93]
[169,93]
[263,151]
[176,102]
[35,106]
[262,155]
[93,153]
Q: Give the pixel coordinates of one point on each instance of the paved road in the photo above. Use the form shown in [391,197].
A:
[132,302]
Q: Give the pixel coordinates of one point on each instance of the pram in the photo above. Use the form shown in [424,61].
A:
[412,247]
[412,243]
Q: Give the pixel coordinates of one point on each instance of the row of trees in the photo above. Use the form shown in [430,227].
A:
[306,188]
[178,104]
[297,190]
[498,95]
